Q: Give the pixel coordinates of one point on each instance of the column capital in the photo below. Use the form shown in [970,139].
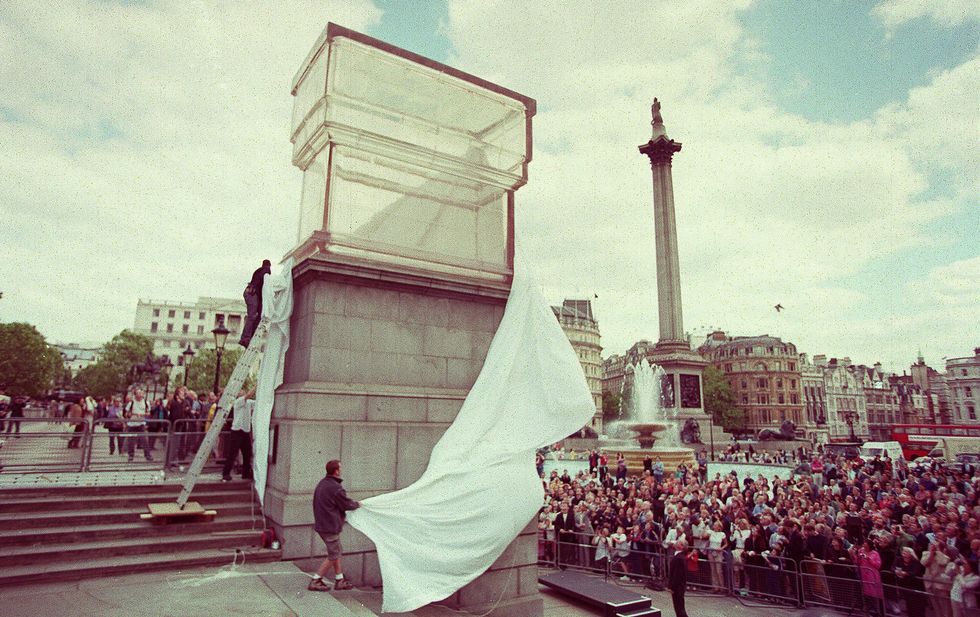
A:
[660,150]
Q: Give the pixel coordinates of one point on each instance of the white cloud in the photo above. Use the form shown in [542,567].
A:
[946,13]
[771,207]
[146,152]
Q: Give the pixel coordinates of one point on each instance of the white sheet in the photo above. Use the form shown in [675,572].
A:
[277,305]
[481,488]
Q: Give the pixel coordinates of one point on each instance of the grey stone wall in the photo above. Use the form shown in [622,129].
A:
[373,377]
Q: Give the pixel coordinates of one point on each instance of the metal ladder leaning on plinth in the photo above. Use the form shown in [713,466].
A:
[230,393]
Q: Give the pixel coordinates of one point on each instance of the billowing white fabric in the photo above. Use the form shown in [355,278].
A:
[277,305]
[481,487]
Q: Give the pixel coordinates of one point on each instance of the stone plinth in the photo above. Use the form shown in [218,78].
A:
[378,366]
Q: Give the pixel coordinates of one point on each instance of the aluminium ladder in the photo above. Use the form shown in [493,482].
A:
[224,405]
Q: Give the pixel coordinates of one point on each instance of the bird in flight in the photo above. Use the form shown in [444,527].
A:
[778,307]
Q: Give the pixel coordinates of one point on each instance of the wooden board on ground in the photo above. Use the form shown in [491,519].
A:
[170,511]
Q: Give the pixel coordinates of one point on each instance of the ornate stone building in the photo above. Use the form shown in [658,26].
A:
[880,400]
[933,385]
[582,330]
[846,405]
[963,381]
[814,402]
[764,373]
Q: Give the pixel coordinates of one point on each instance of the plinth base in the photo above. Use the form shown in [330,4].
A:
[670,457]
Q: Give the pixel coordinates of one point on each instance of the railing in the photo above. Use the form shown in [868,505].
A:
[772,580]
[46,445]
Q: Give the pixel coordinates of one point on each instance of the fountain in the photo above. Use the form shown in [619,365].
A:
[647,419]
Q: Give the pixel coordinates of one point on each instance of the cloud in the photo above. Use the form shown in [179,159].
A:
[771,207]
[146,152]
[947,13]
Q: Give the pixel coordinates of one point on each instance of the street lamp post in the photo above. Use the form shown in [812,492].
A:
[220,336]
[849,418]
[165,369]
[188,355]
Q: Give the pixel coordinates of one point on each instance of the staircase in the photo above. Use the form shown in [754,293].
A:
[70,533]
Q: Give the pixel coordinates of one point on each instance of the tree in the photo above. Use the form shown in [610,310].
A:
[200,376]
[719,401]
[611,407]
[28,365]
[111,374]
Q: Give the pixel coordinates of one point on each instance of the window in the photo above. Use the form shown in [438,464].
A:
[968,391]
[200,315]
[200,329]
[745,384]
[153,327]
[187,314]
[762,399]
[762,382]
[728,368]
[779,384]
[792,383]
[745,399]
[794,399]
[792,366]
[971,411]
[170,327]
[184,328]
[171,313]
[156,312]
[781,399]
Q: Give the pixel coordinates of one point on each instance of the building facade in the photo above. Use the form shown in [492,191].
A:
[847,414]
[963,383]
[76,357]
[814,402]
[764,374]
[582,330]
[880,400]
[174,325]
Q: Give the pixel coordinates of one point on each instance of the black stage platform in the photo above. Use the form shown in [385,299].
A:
[612,599]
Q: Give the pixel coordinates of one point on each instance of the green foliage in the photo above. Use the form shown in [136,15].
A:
[611,407]
[28,365]
[200,377]
[719,401]
[111,374]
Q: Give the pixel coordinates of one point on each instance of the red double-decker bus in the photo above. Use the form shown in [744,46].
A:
[918,439]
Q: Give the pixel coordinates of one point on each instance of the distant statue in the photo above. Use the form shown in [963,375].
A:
[691,433]
[655,111]
[786,432]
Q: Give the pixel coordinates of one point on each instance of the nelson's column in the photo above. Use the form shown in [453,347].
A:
[682,365]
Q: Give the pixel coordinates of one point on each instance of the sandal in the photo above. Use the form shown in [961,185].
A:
[317,584]
[342,585]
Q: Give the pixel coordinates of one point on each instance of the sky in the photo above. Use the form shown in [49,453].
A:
[830,159]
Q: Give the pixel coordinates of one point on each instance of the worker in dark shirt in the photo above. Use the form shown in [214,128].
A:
[253,302]
[330,507]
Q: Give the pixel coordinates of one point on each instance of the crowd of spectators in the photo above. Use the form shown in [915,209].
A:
[873,531]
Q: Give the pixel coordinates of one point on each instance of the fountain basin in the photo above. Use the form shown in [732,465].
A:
[645,433]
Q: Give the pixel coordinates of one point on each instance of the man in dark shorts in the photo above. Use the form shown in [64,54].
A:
[330,507]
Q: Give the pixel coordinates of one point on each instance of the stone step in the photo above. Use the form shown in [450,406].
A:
[72,492]
[28,504]
[77,517]
[36,555]
[102,566]
[132,527]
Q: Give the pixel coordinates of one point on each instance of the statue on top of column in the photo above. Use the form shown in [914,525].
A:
[655,111]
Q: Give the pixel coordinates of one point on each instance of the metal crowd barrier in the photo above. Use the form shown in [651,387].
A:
[774,580]
[48,445]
